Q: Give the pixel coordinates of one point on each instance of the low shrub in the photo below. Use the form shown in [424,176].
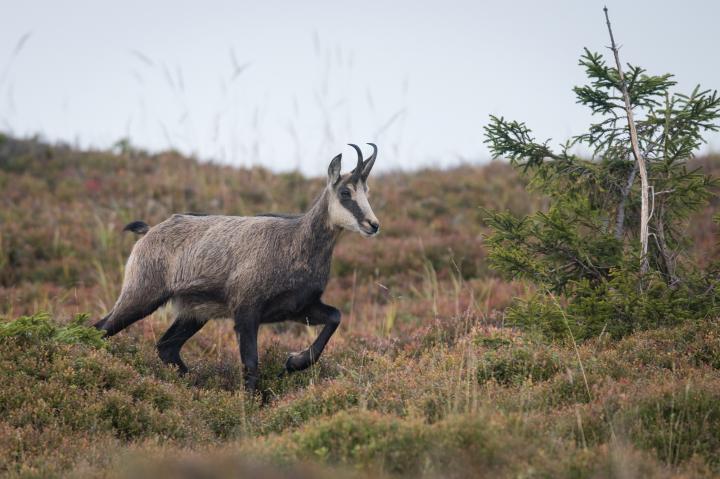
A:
[616,307]
[39,327]
[679,422]
[58,388]
[519,363]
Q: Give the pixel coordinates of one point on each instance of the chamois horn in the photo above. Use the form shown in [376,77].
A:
[369,162]
[358,169]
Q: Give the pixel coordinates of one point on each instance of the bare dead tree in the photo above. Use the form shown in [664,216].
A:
[639,159]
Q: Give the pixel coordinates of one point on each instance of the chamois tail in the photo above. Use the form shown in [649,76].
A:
[137,227]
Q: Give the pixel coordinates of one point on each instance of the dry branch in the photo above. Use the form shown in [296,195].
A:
[640,161]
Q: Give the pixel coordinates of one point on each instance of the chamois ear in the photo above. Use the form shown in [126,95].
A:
[369,163]
[334,170]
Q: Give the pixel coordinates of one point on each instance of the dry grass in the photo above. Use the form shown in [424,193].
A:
[421,379]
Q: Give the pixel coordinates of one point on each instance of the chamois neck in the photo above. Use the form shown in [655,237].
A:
[316,226]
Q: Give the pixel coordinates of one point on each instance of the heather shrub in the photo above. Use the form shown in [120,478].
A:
[317,401]
[428,375]
[678,423]
[58,387]
[374,441]
[615,307]
[519,363]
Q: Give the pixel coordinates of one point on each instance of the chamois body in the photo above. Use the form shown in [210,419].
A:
[256,270]
[211,266]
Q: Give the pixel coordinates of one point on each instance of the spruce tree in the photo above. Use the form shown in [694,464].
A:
[584,251]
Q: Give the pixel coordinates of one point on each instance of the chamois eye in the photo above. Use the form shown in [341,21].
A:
[345,194]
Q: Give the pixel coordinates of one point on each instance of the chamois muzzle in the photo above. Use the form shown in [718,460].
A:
[371,227]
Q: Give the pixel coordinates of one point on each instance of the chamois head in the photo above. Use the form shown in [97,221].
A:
[348,205]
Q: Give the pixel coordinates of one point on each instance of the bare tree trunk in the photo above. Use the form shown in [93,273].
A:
[644,186]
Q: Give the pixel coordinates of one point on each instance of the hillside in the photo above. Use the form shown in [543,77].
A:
[422,378]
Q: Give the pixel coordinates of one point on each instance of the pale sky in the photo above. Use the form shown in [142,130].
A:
[287,84]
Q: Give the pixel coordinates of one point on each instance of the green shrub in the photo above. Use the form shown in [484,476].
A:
[317,401]
[373,441]
[615,307]
[57,389]
[226,414]
[678,424]
[517,364]
[39,327]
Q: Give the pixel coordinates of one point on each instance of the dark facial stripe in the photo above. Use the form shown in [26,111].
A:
[352,206]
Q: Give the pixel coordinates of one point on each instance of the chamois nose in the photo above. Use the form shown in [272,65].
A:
[374,226]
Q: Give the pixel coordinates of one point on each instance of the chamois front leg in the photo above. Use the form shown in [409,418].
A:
[246,331]
[318,313]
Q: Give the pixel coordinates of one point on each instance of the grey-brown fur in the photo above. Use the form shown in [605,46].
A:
[255,270]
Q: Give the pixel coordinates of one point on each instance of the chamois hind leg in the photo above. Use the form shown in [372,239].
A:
[135,303]
[318,313]
[172,341]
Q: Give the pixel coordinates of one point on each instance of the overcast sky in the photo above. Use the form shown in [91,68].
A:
[287,84]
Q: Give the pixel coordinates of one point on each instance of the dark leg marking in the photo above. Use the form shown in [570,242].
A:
[246,331]
[126,312]
[318,313]
[172,341]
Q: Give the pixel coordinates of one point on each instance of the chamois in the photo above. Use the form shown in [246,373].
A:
[255,270]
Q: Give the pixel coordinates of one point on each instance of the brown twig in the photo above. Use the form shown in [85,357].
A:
[644,185]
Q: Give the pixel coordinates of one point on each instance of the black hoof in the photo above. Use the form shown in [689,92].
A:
[251,385]
[297,362]
[173,359]
[100,324]
[182,369]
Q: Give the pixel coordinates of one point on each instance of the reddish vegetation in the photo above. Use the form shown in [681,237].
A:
[421,378]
